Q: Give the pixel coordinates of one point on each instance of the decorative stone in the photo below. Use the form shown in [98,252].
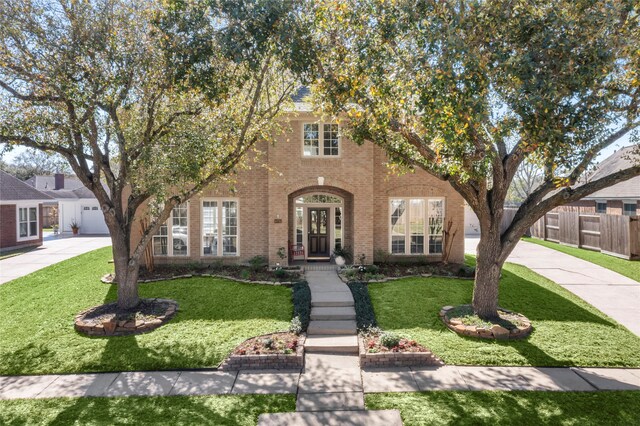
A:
[500,332]
[521,326]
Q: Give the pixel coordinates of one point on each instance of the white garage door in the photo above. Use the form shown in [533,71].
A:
[93,221]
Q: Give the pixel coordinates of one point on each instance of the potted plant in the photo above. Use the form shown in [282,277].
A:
[75,227]
[342,255]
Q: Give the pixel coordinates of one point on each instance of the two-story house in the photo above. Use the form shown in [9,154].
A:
[321,191]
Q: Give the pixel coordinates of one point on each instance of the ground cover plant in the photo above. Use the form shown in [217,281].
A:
[223,410]
[511,408]
[566,330]
[214,316]
[628,268]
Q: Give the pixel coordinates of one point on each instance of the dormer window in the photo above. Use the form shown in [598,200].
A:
[320,140]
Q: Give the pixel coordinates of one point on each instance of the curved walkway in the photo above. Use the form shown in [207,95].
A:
[612,293]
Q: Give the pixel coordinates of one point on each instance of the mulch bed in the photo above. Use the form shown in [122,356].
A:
[232,271]
[372,345]
[110,320]
[439,269]
[275,343]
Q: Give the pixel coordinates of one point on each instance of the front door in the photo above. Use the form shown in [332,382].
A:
[318,232]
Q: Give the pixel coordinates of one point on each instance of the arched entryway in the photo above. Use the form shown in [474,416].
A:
[320,219]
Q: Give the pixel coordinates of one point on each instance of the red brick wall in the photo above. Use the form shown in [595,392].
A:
[8,228]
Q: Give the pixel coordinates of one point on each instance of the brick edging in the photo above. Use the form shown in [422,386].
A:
[266,361]
[396,359]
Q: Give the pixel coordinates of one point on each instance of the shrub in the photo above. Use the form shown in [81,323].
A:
[351,273]
[296,326]
[258,263]
[280,273]
[345,252]
[382,256]
[268,343]
[365,317]
[389,340]
[302,303]
[245,274]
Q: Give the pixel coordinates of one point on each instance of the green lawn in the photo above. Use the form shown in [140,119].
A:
[511,408]
[175,410]
[628,268]
[567,330]
[37,311]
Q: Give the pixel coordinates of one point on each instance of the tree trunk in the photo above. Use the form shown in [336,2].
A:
[127,270]
[488,267]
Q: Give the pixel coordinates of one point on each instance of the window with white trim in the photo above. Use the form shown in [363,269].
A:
[219,225]
[629,209]
[601,206]
[27,222]
[172,238]
[411,221]
[320,140]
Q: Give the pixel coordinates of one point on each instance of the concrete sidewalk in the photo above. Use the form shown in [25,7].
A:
[166,383]
[53,250]
[612,293]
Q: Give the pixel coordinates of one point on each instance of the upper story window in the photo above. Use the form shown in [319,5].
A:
[629,209]
[172,239]
[320,140]
[601,206]
[416,226]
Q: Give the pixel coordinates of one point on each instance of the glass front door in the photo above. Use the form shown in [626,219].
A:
[318,220]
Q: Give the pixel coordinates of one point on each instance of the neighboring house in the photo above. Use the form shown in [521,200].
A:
[621,198]
[74,203]
[20,213]
[320,191]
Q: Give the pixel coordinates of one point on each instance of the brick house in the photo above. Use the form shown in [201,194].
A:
[321,191]
[620,199]
[20,213]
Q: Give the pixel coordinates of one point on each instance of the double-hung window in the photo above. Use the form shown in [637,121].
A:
[27,223]
[416,225]
[219,227]
[601,206]
[172,239]
[320,140]
[629,209]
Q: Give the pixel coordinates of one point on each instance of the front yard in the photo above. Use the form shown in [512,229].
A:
[223,410]
[567,331]
[511,408]
[37,311]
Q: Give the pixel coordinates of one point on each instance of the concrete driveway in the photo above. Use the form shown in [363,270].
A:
[610,292]
[53,250]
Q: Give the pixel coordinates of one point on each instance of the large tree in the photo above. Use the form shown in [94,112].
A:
[469,90]
[148,105]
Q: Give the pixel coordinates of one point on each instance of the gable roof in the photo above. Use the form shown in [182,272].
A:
[13,189]
[619,160]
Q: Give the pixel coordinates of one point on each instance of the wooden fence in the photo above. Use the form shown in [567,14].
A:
[611,234]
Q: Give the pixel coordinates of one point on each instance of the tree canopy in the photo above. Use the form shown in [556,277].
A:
[469,90]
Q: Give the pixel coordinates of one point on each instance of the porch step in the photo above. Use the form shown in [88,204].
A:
[343,344]
[333,313]
[332,327]
[323,418]
[337,299]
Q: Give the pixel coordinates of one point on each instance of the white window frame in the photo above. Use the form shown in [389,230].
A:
[28,237]
[601,202]
[407,232]
[630,203]
[169,236]
[321,153]
[219,201]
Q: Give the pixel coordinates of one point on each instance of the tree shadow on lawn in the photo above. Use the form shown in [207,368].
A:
[512,407]
[567,331]
[172,410]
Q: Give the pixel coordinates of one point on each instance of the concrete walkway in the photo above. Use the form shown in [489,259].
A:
[335,382]
[612,293]
[53,250]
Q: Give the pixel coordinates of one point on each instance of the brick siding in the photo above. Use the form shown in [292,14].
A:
[9,228]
